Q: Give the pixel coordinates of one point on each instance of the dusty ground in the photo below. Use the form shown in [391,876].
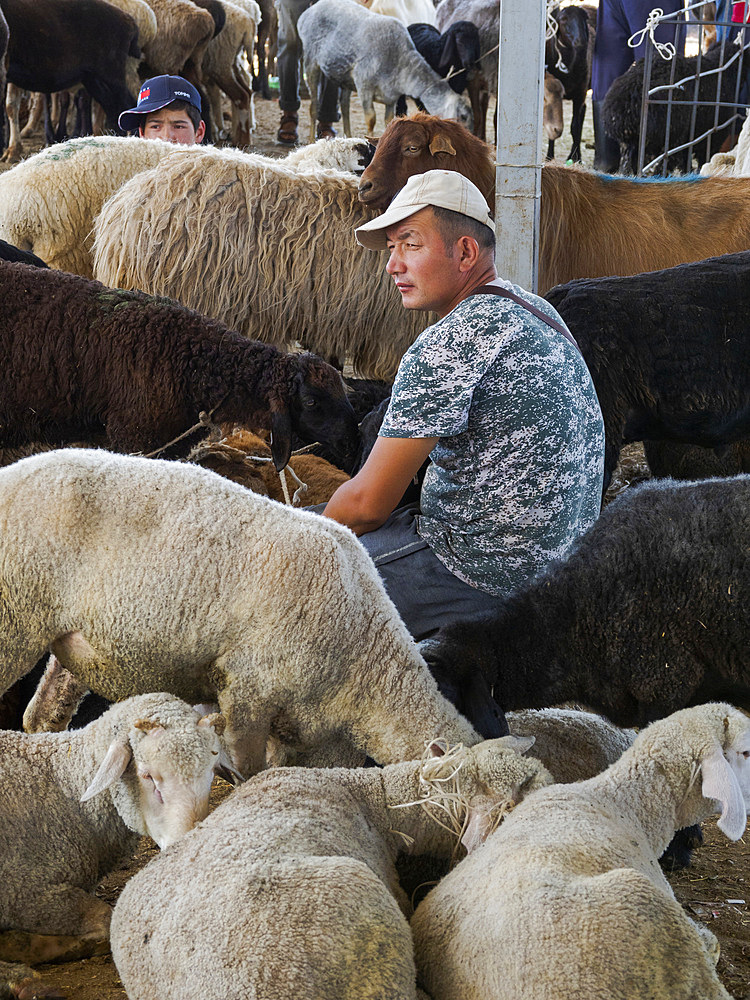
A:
[715,889]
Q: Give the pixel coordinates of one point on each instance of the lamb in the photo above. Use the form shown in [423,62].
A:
[406,11]
[485,14]
[646,616]
[568,889]
[304,860]
[49,202]
[265,249]
[75,804]
[373,55]
[184,31]
[689,461]
[552,111]
[54,46]
[136,372]
[592,225]
[294,630]
[667,352]
[685,120]
[568,56]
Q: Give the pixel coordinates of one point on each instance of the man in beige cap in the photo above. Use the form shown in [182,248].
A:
[496,394]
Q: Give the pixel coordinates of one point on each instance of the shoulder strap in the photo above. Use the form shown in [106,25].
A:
[507,294]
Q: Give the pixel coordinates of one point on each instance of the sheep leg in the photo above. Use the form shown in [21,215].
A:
[55,700]
[36,110]
[366,100]
[345,115]
[25,984]
[312,72]
[576,129]
[13,109]
[75,925]
[248,727]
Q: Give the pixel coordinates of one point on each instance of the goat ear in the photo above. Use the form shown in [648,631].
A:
[281,438]
[720,783]
[441,144]
[372,139]
[111,768]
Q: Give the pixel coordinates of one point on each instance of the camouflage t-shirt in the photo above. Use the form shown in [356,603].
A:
[517,473]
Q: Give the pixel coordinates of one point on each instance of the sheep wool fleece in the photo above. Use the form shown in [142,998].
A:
[516,476]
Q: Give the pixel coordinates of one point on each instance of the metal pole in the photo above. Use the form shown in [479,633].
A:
[518,177]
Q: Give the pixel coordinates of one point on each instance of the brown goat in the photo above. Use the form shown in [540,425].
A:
[592,225]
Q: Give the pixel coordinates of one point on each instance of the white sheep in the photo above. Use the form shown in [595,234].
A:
[567,897]
[406,11]
[49,202]
[304,862]
[735,162]
[374,55]
[267,251]
[74,804]
[142,574]
[182,36]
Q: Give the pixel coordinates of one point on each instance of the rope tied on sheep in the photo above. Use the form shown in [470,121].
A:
[665,49]
[204,420]
[443,799]
[230,454]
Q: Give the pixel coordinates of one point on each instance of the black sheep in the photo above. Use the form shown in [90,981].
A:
[54,46]
[10,253]
[650,613]
[81,361]
[668,351]
[568,57]
[622,107]
[456,51]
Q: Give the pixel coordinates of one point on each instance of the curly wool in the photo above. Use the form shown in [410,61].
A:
[87,362]
[269,252]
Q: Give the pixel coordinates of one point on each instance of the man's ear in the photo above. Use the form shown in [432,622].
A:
[468,252]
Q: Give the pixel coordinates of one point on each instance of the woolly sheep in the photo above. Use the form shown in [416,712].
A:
[49,202]
[304,862]
[568,890]
[138,372]
[265,249]
[647,614]
[375,56]
[275,613]
[406,11]
[222,70]
[75,804]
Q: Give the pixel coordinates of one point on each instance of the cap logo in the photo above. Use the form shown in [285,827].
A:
[146,92]
[181,93]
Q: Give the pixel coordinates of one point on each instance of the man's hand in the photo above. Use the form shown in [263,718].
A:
[367,500]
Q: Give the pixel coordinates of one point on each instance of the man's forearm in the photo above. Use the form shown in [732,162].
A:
[349,507]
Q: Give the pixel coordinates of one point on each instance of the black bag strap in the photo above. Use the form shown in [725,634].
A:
[506,294]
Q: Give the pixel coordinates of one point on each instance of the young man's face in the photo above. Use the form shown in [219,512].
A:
[419,264]
[172,126]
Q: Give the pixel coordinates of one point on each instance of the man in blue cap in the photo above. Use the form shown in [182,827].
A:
[168,108]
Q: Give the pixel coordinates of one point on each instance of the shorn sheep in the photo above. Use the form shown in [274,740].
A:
[267,250]
[592,225]
[94,364]
[75,804]
[647,615]
[304,861]
[567,895]
[275,613]
[49,202]
[373,55]
[667,351]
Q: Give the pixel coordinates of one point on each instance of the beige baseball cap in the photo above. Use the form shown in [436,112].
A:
[439,188]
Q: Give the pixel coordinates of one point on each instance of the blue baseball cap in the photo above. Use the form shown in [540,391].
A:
[157,93]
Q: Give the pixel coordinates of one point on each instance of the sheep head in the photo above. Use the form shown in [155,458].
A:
[159,765]
[424,142]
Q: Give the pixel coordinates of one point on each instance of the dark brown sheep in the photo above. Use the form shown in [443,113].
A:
[81,361]
[592,225]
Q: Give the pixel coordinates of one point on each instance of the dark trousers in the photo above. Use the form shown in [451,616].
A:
[616,22]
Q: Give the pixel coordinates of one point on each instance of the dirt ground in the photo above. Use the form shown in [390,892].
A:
[714,890]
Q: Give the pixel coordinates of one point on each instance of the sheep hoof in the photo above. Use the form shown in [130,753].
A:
[680,849]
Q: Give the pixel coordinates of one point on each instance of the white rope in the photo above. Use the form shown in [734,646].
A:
[665,49]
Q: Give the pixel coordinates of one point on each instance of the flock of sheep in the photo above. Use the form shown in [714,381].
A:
[148,397]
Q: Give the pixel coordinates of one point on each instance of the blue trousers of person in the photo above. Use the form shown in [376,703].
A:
[619,20]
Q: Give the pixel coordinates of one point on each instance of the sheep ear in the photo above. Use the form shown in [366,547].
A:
[518,743]
[215,719]
[477,829]
[281,438]
[441,144]
[720,783]
[111,768]
[438,748]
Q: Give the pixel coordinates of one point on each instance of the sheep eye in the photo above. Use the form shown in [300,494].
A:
[746,754]
[309,402]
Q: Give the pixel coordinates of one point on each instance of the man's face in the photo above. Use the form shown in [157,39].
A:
[427,277]
[172,126]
